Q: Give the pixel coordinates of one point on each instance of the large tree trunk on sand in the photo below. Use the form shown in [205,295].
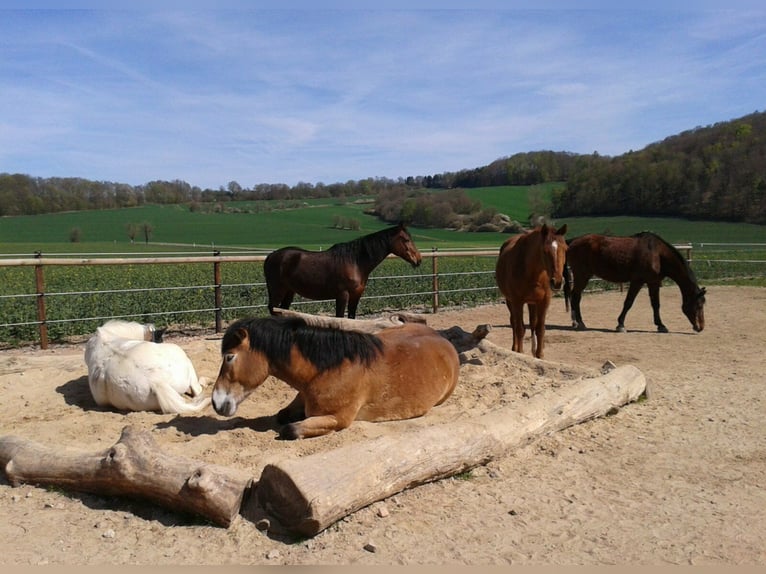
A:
[308,494]
[134,466]
[460,339]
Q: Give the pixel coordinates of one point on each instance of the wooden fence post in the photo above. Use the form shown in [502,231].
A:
[40,287]
[435,284]
[217,290]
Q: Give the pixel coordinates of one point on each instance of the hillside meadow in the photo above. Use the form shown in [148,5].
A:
[267,225]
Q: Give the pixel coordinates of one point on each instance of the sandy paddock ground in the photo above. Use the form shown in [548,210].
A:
[677,479]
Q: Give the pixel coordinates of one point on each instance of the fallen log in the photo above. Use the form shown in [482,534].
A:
[460,339]
[134,466]
[308,494]
[359,325]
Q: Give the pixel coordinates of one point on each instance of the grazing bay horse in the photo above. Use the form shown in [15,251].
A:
[338,273]
[526,268]
[643,258]
[131,369]
[340,375]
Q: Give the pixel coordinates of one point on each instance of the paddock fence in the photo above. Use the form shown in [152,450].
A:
[60,298]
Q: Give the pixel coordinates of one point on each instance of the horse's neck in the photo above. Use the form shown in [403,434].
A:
[298,373]
[679,272]
[370,255]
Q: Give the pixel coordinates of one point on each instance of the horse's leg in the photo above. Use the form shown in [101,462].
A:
[654,297]
[578,287]
[279,297]
[538,329]
[353,303]
[316,426]
[533,326]
[287,300]
[340,305]
[635,287]
[517,324]
[295,411]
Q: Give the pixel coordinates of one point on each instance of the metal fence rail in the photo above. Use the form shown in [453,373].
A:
[212,301]
[44,298]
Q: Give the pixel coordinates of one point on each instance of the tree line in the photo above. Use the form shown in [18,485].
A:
[716,172]
[712,173]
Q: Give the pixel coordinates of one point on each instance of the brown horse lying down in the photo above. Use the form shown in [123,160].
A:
[341,376]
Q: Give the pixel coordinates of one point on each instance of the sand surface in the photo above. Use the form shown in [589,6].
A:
[677,479]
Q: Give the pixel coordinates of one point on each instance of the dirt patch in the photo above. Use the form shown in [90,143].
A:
[677,479]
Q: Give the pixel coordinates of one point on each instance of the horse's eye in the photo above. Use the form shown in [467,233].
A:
[229,357]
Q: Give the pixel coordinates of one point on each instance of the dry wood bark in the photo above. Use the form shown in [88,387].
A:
[308,494]
[459,338]
[134,466]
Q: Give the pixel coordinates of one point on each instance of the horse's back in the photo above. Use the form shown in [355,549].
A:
[616,259]
[418,371]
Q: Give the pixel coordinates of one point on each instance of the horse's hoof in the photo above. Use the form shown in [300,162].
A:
[662,329]
[620,328]
[579,326]
[289,432]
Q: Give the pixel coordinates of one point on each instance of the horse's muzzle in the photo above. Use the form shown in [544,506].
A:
[223,404]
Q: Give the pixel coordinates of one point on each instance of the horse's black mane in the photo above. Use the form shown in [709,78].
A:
[374,246]
[324,347]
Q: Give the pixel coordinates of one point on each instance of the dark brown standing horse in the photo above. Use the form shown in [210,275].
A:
[340,375]
[527,266]
[641,259]
[338,273]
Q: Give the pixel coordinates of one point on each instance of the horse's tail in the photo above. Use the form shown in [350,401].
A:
[172,402]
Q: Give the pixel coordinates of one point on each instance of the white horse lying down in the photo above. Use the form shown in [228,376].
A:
[128,370]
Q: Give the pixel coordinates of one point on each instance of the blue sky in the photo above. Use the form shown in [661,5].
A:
[281,96]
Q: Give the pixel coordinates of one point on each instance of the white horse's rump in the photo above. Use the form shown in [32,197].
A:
[129,371]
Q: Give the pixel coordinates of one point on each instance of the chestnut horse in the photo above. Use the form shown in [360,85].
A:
[527,266]
[641,259]
[339,273]
[340,375]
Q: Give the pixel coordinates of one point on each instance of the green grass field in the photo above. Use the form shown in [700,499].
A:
[258,226]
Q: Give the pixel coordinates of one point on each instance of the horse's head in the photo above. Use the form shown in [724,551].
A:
[694,309]
[403,246]
[242,371]
[555,253]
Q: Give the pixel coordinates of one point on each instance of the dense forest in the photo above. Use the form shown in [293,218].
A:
[716,172]
[712,173]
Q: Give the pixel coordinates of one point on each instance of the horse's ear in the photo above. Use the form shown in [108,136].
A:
[544,229]
[242,335]
[562,230]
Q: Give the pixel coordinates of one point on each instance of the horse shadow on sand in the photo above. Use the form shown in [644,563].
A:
[76,393]
[553,327]
[194,426]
